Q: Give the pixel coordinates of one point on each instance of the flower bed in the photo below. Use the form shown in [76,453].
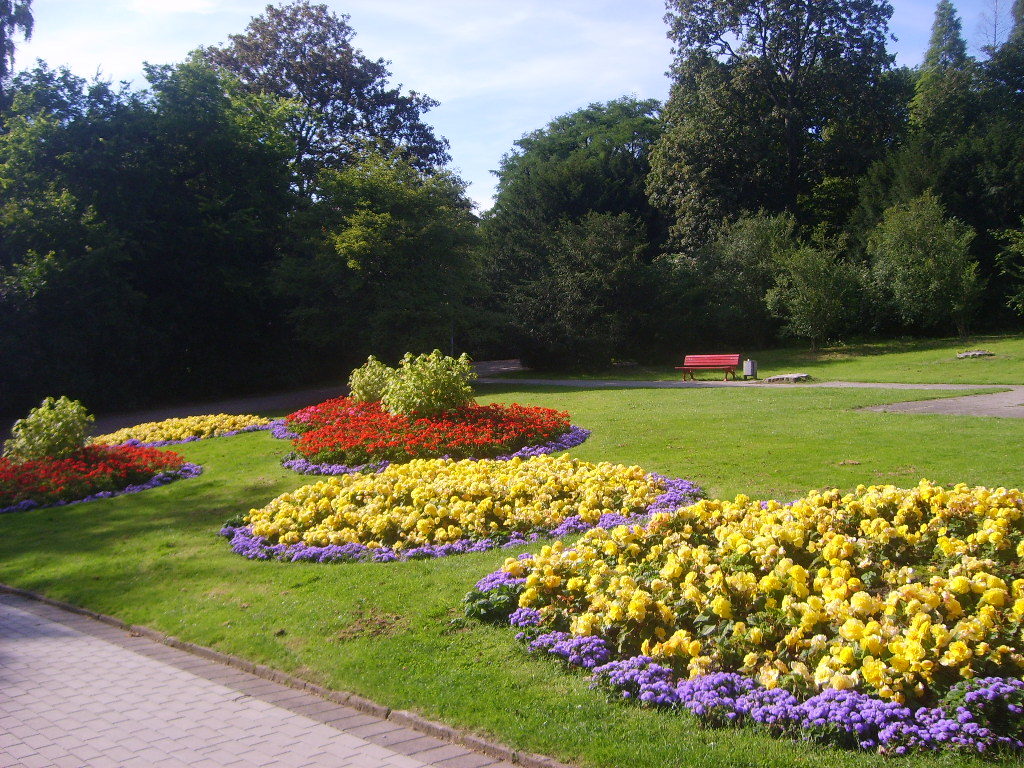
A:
[349,433]
[93,472]
[882,619]
[432,508]
[575,436]
[184,430]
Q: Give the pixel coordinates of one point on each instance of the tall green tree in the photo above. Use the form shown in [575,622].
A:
[157,217]
[1011,266]
[303,51]
[15,17]
[734,273]
[388,266]
[586,306]
[584,169]
[763,92]
[591,160]
[817,290]
[945,95]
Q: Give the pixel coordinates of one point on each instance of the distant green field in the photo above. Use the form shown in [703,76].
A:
[916,361]
[395,632]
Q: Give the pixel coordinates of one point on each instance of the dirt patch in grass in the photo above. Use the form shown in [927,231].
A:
[369,622]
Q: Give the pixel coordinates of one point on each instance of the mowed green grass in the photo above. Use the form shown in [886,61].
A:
[912,361]
[394,631]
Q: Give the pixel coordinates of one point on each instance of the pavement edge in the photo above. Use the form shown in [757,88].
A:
[399,717]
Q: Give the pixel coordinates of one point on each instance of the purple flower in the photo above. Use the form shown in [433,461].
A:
[524,617]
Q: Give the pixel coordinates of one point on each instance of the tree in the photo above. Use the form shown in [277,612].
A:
[761,88]
[1011,266]
[947,47]
[584,309]
[15,16]
[921,263]
[389,262]
[137,236]
[735,272]
[817,291]
[993,25]
[303,51]
[594,159]
[591,162]
[945,95]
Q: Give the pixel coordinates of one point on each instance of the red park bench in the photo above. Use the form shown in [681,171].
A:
[693,363]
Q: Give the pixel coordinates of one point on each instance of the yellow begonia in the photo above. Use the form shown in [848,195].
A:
[868,590]
[433,501]
[187,428]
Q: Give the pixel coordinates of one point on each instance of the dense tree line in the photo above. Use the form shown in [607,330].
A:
[271,210]
[250,219]
[798,185]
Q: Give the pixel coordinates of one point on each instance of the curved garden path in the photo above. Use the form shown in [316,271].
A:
[1007,403]
[77,692]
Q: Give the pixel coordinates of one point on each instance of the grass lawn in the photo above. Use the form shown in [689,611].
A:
[394,631]
[915,361]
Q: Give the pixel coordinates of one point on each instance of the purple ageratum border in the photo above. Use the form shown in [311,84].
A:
[187,470]
[845,718]
[163,443]
[279,429]
[575,436]
[243,542]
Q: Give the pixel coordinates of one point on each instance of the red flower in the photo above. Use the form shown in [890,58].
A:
[89,470]
[345,431]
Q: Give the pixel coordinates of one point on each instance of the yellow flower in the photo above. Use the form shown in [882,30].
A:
[180,429]
[721,606]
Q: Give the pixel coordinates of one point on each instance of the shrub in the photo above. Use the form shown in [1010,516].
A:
[369,381]
[56,429]
[922,263]
[427,385]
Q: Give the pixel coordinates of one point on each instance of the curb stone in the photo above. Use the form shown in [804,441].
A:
[399,717]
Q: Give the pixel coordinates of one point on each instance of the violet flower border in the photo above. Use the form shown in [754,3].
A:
[185,471]
[846,718]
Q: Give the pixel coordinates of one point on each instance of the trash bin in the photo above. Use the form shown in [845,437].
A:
[750,369]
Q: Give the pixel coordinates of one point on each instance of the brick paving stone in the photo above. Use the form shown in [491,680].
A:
[78,692]
[472,760]
[447,752]
[395,737]
[422,744]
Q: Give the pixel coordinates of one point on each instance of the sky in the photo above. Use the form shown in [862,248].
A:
[499,69]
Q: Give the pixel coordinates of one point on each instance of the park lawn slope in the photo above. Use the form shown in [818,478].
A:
[912,361]
[394,632]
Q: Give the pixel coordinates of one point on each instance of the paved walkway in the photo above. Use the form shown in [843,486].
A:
[77,692]
[1004,404]
[278,401]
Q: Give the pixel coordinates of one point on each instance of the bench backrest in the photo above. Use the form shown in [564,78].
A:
[710,360]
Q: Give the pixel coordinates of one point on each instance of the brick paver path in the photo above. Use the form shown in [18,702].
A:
[77,692]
